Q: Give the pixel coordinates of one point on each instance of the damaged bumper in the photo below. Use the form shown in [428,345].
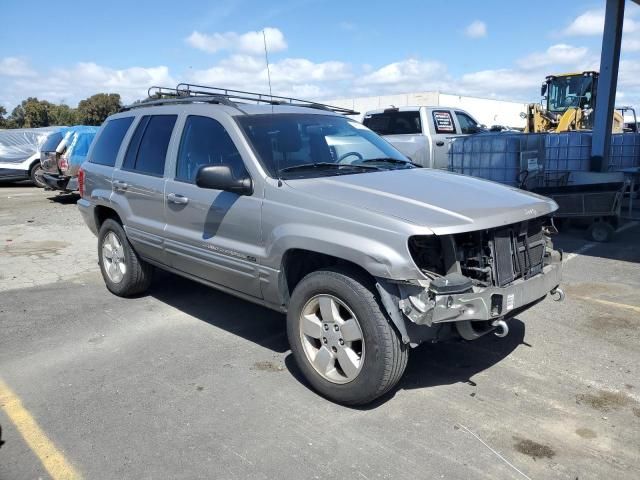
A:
[424,307]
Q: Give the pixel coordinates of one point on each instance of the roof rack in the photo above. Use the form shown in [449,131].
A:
[188,93]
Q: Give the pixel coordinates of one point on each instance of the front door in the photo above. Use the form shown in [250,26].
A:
[211,234]
[138,185]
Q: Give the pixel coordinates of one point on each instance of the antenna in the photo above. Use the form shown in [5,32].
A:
[266,58]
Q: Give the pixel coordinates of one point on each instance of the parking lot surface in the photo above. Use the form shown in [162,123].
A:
[187,382]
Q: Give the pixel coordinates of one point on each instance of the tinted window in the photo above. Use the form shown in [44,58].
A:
[443,122]
[148,147]
[52,141]
[206,142]
[467,124]
[107,146]
[394,123]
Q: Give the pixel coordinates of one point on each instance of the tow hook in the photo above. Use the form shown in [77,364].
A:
[557,294]
[502,329]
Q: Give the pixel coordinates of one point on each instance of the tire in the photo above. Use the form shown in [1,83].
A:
[382,357]
[35,174]
[601,231]
[134,275]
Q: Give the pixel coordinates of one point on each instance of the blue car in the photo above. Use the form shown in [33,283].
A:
[62,154]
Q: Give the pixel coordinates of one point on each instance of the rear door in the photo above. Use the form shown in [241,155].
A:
[442,126]
[138,185]
[211,234]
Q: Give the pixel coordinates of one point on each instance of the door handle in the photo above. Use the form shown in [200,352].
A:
[440,143]
[118,185]
[177,199]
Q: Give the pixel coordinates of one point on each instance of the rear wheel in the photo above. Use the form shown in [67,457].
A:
[601,231]
[36,174]
[124,273]
[340,338]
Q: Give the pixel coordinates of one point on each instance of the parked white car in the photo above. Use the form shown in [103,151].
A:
[20,154]
[421,133]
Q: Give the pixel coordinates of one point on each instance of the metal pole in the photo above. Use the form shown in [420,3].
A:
[606,94]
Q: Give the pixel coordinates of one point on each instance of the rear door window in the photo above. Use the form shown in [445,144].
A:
[148,146]
[108,143]
[443,122]
[394,123]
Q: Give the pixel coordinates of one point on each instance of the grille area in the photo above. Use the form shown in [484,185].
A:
[518,252]
[497,257]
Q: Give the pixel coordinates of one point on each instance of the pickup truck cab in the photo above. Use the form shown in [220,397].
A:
[292,205]
[421,133]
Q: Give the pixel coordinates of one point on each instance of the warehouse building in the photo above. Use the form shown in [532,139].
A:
[487,111]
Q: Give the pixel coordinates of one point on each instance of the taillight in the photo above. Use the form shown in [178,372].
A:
[81,182]
[63,164]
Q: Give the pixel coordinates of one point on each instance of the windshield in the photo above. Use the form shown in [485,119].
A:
[308,145]
[571,91]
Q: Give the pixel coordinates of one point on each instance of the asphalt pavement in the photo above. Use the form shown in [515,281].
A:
[188,382]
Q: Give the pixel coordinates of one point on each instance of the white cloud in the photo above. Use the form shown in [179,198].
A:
[591,22]
[476,29]
[289,76]
[631,45]
[15,67]
[560,54]
[411,73]
[81,80]
[251,43]
[347,26]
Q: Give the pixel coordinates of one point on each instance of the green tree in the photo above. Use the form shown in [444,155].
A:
[3,120]
[94,110]
[30,113]
[62,115]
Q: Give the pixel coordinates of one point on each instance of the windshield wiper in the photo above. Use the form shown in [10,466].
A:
[326,166]
[389,160]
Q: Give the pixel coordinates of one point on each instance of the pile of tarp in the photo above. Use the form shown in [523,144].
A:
[17,145]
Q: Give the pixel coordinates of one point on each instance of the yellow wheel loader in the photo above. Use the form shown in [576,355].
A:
[570,99]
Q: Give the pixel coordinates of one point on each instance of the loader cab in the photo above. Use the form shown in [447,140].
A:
[570,91]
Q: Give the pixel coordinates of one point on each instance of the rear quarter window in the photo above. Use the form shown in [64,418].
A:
[394,123]
[108,143]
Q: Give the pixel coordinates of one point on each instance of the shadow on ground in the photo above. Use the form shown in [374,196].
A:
[429,365]
[65,198]
[252,322]
[622,247]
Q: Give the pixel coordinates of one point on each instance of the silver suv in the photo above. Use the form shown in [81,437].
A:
[292,205]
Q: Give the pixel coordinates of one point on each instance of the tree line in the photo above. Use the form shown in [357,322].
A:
[32,113]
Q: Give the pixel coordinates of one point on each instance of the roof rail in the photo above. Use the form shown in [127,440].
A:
[188,92]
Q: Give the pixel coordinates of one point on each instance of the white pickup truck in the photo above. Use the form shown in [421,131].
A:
[421,133]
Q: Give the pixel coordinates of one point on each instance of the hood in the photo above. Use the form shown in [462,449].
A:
[444,202]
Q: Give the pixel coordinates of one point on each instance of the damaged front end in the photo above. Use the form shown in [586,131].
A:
[474,281]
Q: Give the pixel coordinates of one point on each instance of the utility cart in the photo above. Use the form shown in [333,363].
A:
[598,204]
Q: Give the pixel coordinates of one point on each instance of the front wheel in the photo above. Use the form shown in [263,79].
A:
[124,273]
[36,174]
[340,338]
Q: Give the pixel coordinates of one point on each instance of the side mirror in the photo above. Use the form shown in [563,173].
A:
[220,177]
[543,89]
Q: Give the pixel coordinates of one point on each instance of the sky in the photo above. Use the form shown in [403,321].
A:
[65,51]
